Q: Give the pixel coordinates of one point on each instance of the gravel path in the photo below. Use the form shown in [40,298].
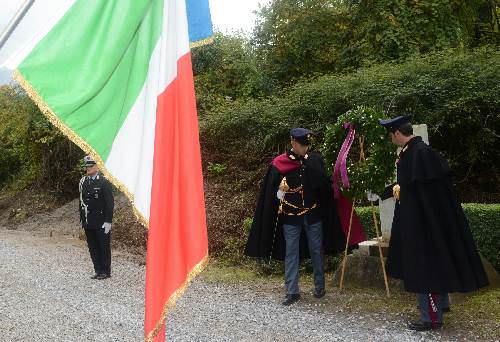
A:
[46,295]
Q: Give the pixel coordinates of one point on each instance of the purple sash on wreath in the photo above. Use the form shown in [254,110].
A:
[344,205]
[340,163]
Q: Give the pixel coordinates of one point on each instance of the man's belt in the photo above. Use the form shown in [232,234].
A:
[303,210]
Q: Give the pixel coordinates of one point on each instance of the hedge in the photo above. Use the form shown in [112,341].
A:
[456,93]
[484,221]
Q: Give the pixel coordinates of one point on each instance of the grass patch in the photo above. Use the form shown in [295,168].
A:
[249,271]
[478,314]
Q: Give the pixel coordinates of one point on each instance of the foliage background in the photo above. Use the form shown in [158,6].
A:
[306,63]
[456,93]
[33,153]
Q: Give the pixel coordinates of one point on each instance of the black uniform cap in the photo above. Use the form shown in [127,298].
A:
[301,135]
[394,123]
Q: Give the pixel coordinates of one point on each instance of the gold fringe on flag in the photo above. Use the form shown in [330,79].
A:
[202,42]
[170,304]
[75,138]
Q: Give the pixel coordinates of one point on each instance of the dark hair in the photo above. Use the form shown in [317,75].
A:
[304,141]
[406,129]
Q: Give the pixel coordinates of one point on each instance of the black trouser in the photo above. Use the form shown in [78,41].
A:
[100,250]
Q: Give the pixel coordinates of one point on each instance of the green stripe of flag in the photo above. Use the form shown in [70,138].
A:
[100,61]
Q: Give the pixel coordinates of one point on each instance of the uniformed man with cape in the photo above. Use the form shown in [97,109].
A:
[296,215]
[431,247]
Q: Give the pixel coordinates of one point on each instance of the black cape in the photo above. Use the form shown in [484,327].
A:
[266,240]
[431,247]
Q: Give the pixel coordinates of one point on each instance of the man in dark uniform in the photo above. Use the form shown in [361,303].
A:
[295,198]
[431,247]
[96,216]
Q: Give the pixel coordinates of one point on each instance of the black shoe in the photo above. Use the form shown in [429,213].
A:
[290,299]
[103,276]
[94,276]
[424,326]
[319,294]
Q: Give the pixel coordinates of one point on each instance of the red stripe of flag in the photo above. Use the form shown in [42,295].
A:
[177,240]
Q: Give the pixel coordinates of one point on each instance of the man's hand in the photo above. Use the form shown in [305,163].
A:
[107,227]
[280,194]
[283,185]
[395,191]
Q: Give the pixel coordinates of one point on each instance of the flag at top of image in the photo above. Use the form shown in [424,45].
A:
[115,76]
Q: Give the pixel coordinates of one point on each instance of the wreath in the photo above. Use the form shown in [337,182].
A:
[370,161]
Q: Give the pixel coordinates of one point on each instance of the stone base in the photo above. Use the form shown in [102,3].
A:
[364,271]
[370,248]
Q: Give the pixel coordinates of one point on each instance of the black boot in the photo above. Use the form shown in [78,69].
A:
[424,326]
[290,299]
[319,294]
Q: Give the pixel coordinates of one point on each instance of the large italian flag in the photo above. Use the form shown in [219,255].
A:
[115,76]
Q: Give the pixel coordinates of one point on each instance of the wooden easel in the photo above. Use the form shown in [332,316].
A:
[375,221]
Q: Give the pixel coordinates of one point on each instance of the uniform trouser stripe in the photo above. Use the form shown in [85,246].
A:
[433,308]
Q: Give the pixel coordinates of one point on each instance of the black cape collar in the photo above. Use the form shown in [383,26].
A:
[409,144]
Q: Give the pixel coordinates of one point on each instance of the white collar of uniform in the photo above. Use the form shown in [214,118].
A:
[94,177]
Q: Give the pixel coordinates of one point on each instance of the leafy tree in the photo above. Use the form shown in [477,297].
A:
[396,29]
[296,38]
[225,71]
[32,151]
[303,38]
[479,20]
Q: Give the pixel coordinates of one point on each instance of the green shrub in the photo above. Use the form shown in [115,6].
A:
[366,217]
[484,221]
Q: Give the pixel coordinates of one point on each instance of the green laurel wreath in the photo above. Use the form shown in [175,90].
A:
[377,168]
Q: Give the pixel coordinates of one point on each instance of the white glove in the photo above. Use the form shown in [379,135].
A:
[372,197]
[107,227]
[280,194]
